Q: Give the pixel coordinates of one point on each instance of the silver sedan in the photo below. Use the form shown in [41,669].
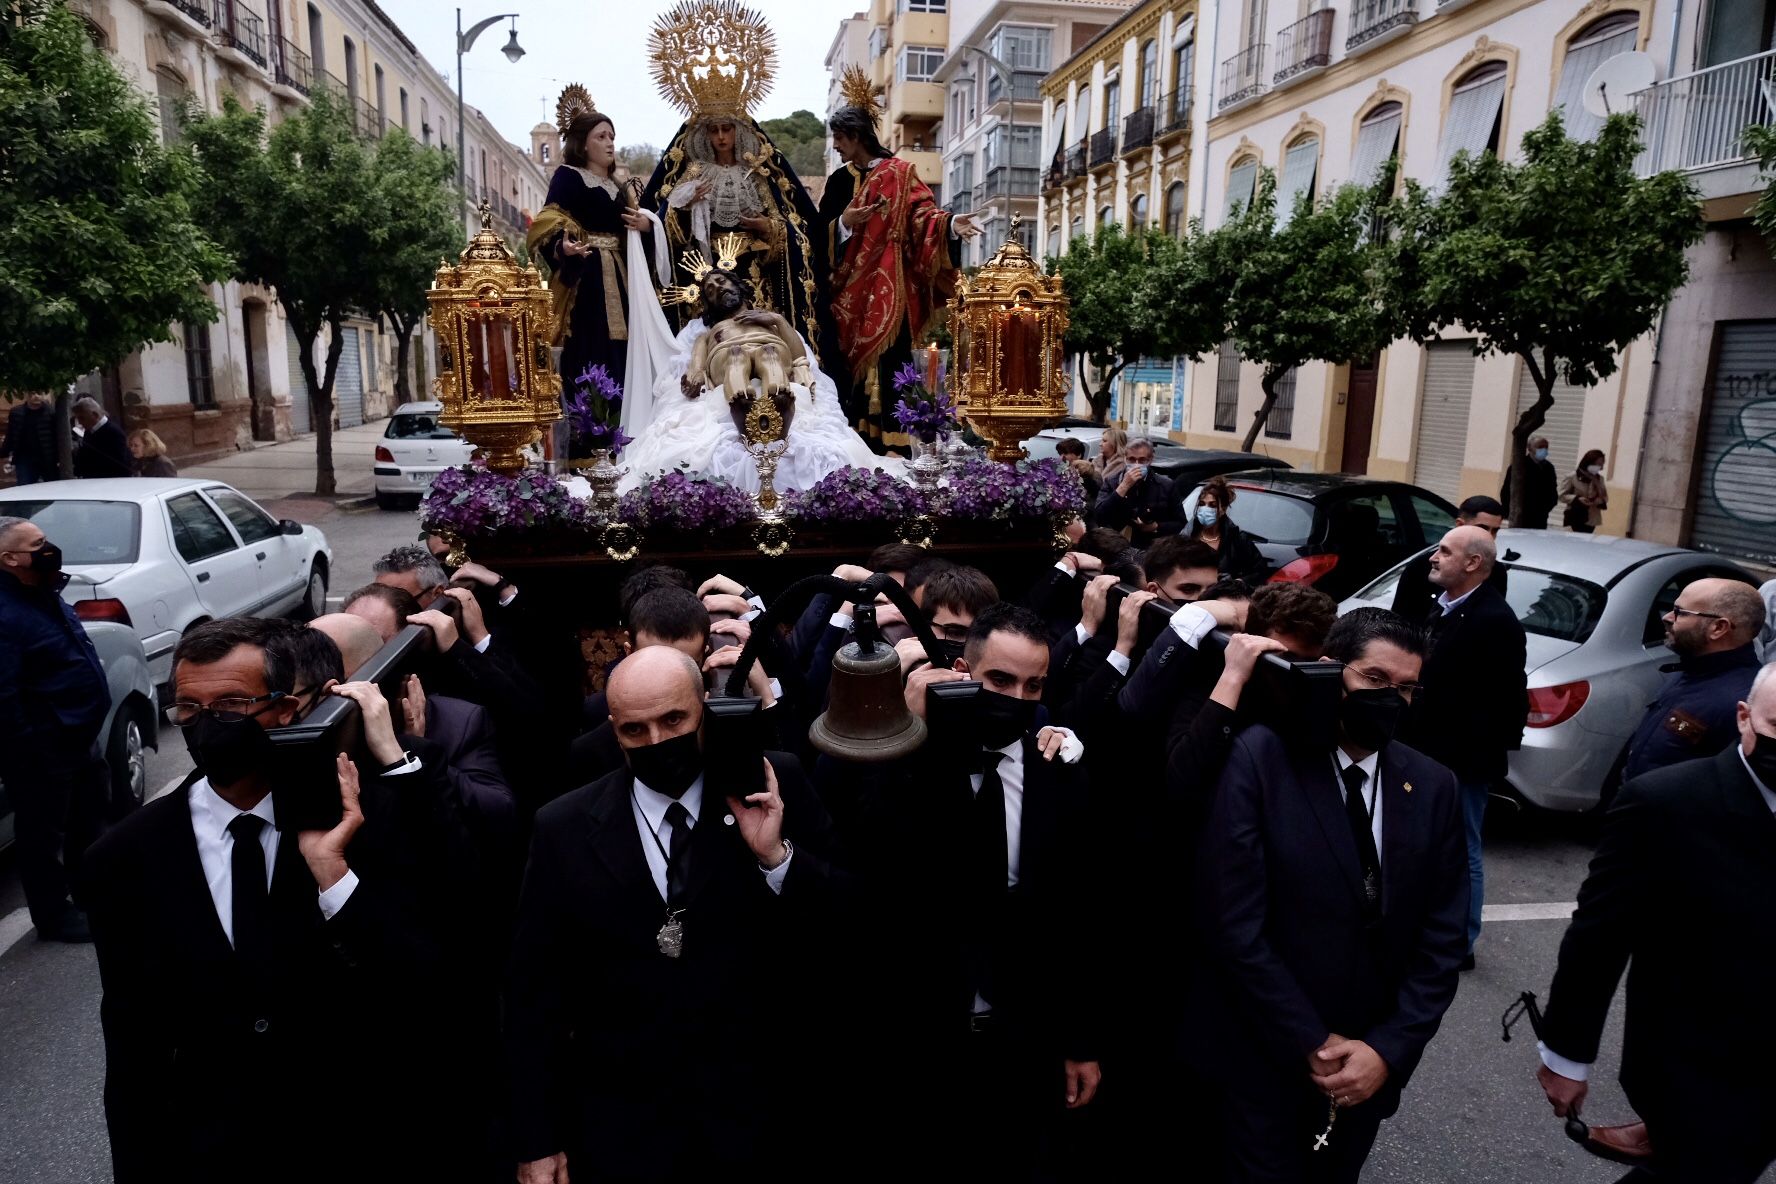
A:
[1591,607]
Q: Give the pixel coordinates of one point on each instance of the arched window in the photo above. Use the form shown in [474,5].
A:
[1378,138]
[1301,166]
[1138,214]
[95,34]
[425,120]
[1617,33]
[317,39]
[171,91]
[1105,216]
[1054,240]
[1472,123]
[1242,180]
[1078,227]
[1149,73]
[1082,115]
[1174,223]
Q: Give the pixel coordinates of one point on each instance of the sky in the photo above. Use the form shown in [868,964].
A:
[603,45]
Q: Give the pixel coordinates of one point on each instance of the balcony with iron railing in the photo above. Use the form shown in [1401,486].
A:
[1242,77]
[1137,130]
[1174,114]
[293,67]
[1026,86]
[1013,181]
[197,12]
[1076,156]
[1103,148]
[1696,123]
[1375,21]
[1304,47]
[240,30]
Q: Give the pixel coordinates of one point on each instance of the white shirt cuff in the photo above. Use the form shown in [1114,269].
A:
[776,689]
[1081,633]
[410,765]
[840,621]
[1192,623]
[508,598]
[481,646]
[1119,661]
[1072,748]
[757,602]
[751,615]
[1571,1070]
[775,877]
[334,898]
[1064,569]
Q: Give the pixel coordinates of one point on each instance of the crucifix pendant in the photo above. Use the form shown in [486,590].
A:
[1324,1136]
[670,939]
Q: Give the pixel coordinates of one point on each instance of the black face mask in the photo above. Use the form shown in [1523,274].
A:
[1762,760]
[668,767]
[228,753]
[1000,719]
[1370,717]
[950,651]
[47,559]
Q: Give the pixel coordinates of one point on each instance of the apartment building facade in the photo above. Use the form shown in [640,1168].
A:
[227,385]
[904,42]
[850,47]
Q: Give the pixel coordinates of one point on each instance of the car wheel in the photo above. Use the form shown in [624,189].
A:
[314,596]
[387,501]
[127,755]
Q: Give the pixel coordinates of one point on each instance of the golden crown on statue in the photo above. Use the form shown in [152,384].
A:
[728,249]
[713,57]
[860,92]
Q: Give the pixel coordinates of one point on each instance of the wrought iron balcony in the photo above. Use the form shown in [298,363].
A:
[1174,113]
[1103,147]
[1372,19]
[368,119]
[1697,121]
[294,68]
[1137,130]
[1076,156]
[1304,46]
[240,29]
[197,10]
[1242,77]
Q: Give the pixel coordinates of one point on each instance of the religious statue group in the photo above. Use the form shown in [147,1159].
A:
[717,282]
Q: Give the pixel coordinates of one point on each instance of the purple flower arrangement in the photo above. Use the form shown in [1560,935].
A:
[851,495]
[987,489]
[474,502]
[682,500]
[595,411]
[926,415]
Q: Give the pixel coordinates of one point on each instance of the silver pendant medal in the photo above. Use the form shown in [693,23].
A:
[670,939]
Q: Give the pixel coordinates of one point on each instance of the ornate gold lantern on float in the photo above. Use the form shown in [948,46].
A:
[1009,378]
[496,376]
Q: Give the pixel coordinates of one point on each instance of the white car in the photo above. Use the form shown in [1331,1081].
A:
[165,553]
[414,449]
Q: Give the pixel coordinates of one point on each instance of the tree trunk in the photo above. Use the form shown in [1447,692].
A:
[321,392]
[1532,418]
[403,353]
[64,430]
[1262,415]
[1099,399]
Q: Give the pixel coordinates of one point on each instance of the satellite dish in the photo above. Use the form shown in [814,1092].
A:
[1609,86]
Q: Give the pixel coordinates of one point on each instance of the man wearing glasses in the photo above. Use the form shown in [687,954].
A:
[262,986]
[1712,629]
[1334,900]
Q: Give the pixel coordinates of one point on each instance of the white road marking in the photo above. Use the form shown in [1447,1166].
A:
[13,926]
[1528,912]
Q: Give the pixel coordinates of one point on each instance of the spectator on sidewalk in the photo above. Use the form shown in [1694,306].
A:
[30,445]
[103,452]
[148,456]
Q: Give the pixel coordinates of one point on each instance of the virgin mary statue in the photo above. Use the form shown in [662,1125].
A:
[722,174]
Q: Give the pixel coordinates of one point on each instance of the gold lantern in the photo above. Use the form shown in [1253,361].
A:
[1009,377]
[496,375]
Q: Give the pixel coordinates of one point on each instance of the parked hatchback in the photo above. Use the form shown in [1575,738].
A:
[1592,608]
[414,449]
[162,554]
[1331,530]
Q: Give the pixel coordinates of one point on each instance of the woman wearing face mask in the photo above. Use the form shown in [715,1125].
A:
[1584,494]
[1237,555]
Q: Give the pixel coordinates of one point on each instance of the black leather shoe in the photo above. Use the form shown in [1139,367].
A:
[1468,962]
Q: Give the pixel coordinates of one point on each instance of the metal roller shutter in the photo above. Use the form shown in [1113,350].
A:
[301,411]
[1564,418]
[348,387]
[1443,416]
[1736,490]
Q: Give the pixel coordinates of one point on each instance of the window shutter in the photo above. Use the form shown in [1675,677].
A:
[1582,57]
[1300,164]
[1473,110]
[1239,187]
[1376,141]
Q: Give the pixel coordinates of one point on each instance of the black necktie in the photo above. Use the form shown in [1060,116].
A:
[1367,859]
[678,863]
[252,904]
[990,862]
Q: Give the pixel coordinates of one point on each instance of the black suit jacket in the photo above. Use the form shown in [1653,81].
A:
[1281,892]
[629,1060]
[1680,891]
[103,452]
[1415,597]
[1472,710]
[213,1073]
[464,732]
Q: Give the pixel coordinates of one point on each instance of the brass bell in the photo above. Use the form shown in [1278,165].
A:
[866,717]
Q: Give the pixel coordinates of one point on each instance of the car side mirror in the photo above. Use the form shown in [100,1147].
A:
[289,526]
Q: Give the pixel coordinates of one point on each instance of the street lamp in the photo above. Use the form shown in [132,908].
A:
[464,43]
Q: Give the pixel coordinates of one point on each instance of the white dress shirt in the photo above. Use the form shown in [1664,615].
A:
[1580,1070]
[1370,765]
[1448,606]
[649,807]
[210,816]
